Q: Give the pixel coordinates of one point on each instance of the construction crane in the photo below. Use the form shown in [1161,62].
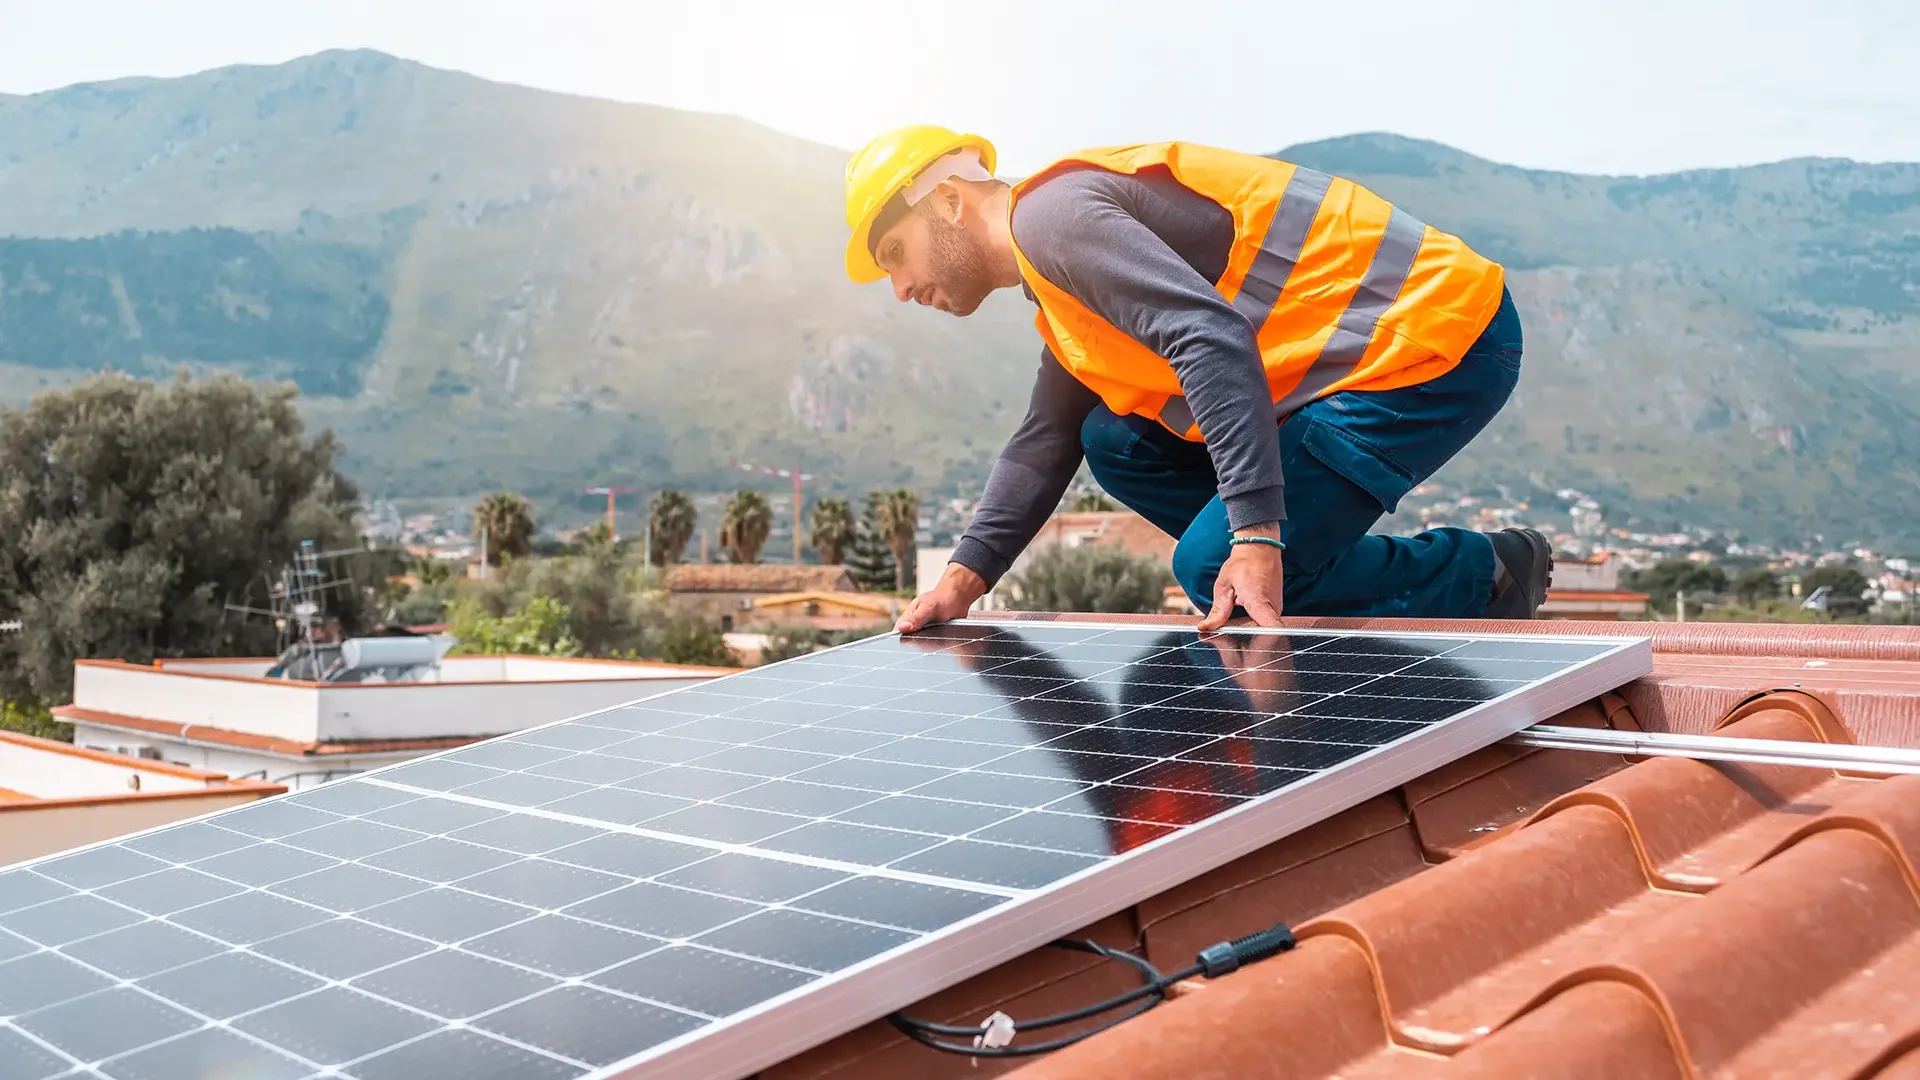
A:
[610,493]
[797,477]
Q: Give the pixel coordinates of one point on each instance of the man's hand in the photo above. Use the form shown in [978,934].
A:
[1252,579]
[951,599]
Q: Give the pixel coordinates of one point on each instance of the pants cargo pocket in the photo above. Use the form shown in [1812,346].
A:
[1361,464]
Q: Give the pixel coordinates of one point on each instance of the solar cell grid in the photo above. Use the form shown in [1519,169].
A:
[845,842]
[692,782]
[718,852]
[593,769]
[822,740]
[1189,721]
[824,798]
[1070,833]
[1449,689]
[928,750]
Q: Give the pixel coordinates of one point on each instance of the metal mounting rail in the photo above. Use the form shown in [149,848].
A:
[1880,760]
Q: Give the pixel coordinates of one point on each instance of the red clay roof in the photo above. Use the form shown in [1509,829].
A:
[1544,913]
[1597,595]
[1121,529]
[245,740]
[758,578]
[1857,641]
[882,606]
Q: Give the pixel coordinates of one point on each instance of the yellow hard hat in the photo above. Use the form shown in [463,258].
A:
[881,170]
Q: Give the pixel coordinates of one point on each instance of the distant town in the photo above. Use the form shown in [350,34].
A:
[1579,525]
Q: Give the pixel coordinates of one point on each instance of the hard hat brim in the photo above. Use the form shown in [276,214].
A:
[861,267]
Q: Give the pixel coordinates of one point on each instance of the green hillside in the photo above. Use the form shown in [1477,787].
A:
[573,289]
[309,312]
[1733,347]
[482,285]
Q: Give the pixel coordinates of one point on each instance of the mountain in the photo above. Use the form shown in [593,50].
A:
[484,285]
[481,284]
[1734,347]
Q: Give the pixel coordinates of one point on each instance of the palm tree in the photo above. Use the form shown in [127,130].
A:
[671,519]
[833,529]
[745,525]
[898,518]
[507,521]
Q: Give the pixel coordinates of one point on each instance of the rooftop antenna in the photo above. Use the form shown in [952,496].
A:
[297,602]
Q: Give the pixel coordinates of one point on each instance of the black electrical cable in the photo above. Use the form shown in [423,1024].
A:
[1212,962]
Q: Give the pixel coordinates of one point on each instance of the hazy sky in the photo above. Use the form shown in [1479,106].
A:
[1623,86]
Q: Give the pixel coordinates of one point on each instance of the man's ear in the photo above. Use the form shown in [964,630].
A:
[948,203]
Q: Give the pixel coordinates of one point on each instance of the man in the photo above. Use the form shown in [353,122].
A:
[1258,358]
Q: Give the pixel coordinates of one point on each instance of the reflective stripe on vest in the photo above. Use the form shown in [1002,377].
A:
[1307,347]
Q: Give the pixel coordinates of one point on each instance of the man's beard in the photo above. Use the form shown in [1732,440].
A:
[958,266]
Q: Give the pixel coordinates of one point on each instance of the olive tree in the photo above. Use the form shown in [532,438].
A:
[133,512]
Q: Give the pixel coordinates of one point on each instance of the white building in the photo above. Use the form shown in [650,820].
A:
[226,716]
[55,796]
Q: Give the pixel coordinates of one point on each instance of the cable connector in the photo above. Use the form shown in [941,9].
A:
[995,1033]
[993,1037]
[1229,956]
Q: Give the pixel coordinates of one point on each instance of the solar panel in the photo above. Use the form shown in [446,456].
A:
[706,882]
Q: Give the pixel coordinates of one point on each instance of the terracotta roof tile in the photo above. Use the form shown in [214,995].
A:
[1122,529]
[1550,914]
[1465,803]
[885,606]
[1697,825]
[1903,1064]
[1888,809]
[1598,595]
[758,578]
[1739,965]
[1351,855]
[1460,950]
[1591,1031]
[1672,919]
[1830,641]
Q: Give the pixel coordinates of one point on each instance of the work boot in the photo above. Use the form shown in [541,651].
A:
[1524,568]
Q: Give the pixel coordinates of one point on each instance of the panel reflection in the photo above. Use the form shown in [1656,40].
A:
[1160,728]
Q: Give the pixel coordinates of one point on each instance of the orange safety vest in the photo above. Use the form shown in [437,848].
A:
[1345,290]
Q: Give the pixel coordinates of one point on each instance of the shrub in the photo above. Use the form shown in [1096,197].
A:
[1093,579]
[538,629]
[33,720]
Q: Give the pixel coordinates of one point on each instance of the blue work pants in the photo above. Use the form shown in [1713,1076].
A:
[1348,458]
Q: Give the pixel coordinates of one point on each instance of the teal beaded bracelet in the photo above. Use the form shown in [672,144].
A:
[1268,540]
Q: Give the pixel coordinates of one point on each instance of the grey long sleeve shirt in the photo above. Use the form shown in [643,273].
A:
[1142,252]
